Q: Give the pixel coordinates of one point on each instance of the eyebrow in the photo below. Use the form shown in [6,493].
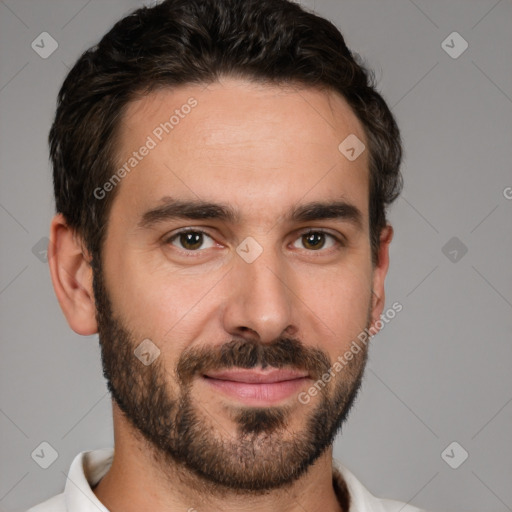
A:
[190,209]
[196,209]
[333,210]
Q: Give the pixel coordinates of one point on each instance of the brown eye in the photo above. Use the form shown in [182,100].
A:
[191,240]
[315,240]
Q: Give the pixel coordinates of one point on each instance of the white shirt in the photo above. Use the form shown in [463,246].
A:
[88,468]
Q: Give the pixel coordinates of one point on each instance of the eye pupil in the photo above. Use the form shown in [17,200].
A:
[314,240]
[191,240]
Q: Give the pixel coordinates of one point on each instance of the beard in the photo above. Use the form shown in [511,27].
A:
[180,433]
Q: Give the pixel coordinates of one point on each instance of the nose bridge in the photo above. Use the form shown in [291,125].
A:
[261,300]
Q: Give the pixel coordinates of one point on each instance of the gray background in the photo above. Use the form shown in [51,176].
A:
[438,373]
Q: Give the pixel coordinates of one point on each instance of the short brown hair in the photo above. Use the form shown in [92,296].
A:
[179,42]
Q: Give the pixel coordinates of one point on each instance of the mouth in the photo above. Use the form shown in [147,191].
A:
[256,386]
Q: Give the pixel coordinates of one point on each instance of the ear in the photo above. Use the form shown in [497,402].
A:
[72,277]
[379,275]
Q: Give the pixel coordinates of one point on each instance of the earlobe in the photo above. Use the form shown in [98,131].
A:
[71,275]
[379,275]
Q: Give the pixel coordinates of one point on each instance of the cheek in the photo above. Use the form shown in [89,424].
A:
[158,301]
[337,304]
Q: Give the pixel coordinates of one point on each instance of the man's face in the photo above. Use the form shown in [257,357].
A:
[250,289]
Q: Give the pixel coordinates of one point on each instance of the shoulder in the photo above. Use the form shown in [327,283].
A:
[86,470]
[55,504]
[361,499]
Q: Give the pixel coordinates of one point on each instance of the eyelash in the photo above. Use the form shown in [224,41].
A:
[339,241]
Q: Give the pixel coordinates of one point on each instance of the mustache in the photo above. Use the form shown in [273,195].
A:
[283,352]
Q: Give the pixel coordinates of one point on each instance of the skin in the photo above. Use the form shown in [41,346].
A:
[261,150]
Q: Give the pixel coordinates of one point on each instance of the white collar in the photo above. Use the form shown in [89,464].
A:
[88,468]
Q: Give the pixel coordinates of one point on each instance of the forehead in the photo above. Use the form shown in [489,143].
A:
[240,142]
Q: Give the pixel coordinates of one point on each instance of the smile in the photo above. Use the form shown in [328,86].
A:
[257,387]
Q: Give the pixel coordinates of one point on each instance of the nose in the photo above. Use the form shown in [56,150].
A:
[260,305]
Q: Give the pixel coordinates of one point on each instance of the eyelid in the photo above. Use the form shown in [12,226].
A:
[338,237]
[186,229]
[169,238]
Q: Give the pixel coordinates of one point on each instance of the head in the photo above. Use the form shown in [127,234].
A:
[204,205]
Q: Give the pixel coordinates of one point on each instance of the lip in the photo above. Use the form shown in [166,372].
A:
[257,387]
[257,376]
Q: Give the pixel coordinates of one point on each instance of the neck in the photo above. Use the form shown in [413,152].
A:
[141,480]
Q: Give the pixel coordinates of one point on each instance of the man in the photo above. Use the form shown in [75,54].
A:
[222,170]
